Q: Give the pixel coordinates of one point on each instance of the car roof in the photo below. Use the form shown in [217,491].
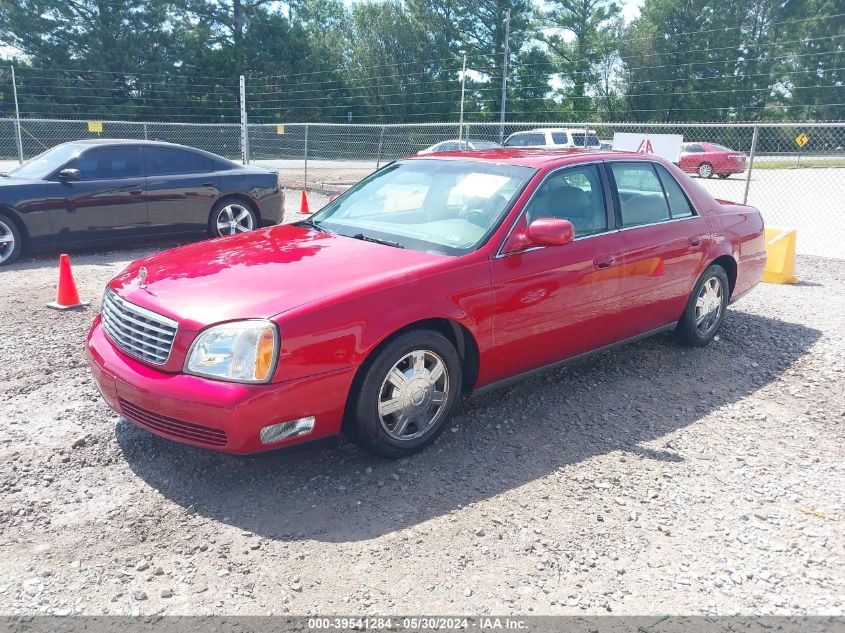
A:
[533,157]
[556,129]
[126,141]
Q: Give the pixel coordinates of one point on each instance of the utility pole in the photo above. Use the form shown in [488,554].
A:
[505,76]
[463,88]
[18,118]
[244,126]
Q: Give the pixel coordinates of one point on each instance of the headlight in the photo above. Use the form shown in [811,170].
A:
[242,351]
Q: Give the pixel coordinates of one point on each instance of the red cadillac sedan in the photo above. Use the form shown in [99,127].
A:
[431,278]
[707,159]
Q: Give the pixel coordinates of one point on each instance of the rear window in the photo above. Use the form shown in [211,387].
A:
[585,140]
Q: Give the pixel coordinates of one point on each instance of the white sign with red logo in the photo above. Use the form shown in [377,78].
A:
[666,146]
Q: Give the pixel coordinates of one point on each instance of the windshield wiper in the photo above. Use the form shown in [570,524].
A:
[370,238]
[313,225]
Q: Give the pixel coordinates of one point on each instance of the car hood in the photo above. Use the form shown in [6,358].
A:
[260,274]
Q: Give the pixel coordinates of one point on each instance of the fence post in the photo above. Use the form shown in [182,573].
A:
[244,127]
[380,141]
[750,163]
[17,117]
[305,173]
[146,136]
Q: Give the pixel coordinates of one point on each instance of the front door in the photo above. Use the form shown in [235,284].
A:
[665,243]
[106,202]
[556,302]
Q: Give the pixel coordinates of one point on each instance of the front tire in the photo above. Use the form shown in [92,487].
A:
[407,395]
[705,309]
[11,241]
[230,217]
[705,170]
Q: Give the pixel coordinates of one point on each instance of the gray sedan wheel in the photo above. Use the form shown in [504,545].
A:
[705,170]
[232,217]
[10,241]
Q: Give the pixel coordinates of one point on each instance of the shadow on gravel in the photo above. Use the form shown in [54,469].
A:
[104,255]
[615,402]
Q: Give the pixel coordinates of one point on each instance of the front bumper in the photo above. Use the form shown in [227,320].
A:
[222,416]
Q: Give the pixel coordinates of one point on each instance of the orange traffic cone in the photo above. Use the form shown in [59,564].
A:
[303,204]
[66,295]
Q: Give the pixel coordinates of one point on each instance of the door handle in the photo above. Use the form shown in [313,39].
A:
[604,264]
[695,240]
[208,184]
[136,192]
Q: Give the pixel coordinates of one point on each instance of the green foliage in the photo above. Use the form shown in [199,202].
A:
[399,60]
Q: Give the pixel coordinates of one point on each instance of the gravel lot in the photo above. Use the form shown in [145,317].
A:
[654,479]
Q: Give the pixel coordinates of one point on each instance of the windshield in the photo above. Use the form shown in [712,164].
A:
[440,206]
[46,163]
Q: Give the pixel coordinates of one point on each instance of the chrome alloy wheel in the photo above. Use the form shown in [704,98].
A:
[234,218]
[413,395]
[705,170]
[708,306]
[7,242]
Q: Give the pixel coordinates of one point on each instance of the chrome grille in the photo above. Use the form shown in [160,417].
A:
[137,331]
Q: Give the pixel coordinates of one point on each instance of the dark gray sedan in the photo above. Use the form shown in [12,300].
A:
[99,191]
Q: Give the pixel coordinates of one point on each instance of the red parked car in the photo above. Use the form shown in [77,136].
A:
[429,279]
[706,159]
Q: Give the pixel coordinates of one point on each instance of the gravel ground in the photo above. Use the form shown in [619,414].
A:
[653,479]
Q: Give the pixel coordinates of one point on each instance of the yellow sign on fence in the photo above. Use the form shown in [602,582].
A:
[95,126]
[802,139]
[280,129]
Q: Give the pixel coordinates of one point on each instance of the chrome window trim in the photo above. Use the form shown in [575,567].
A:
[500,255]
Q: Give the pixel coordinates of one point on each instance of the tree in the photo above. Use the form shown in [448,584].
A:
[584,41]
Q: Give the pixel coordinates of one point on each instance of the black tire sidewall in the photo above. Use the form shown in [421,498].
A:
[215,210]
[686,327]
[16,233]
[366,424]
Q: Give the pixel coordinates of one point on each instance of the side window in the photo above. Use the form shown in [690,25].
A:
[573,194]
[517,140]
[109,163]
[447,147]
[641,197]
[679,206]
[162,161]
[560,138]
[534,139]
[694,148]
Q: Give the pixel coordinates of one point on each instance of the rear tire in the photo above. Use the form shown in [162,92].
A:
[705,309]
[231,217]
[407,395]
[723,176]
[11,240]
[705,170]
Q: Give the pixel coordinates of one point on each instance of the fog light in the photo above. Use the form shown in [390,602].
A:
[286,430]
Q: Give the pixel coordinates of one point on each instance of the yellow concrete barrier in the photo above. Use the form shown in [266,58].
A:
[780,251]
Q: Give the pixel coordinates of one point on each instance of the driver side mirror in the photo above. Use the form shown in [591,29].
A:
[550,232]
[69,174]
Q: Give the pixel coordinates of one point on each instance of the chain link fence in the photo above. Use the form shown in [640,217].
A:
[794,184]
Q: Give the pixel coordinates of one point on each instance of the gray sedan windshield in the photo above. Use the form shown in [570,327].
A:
[46,163]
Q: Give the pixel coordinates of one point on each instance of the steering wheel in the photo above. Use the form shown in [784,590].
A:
[480,211]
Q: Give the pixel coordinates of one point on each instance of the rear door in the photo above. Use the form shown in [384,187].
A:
[551,303]
[182,186]
[108,201]
[664,244]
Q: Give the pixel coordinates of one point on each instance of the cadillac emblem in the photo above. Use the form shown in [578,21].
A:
[142,277]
